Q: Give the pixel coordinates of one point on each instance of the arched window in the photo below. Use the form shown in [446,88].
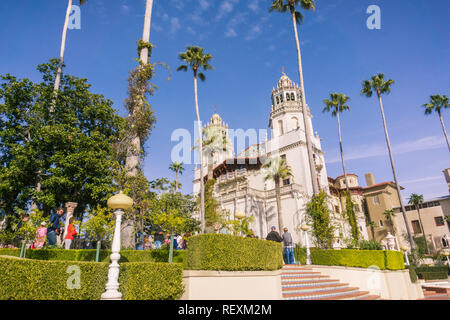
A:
[292,96]
[278,100]
[288,97]
[281,98]
[280,127]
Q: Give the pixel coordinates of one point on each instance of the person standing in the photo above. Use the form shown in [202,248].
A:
[274,235]
[71,233]
[288,247]
[41,235]
[54,229]
[180,241]
[159,239]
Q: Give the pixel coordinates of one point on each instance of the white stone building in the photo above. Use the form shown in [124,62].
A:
[240,184]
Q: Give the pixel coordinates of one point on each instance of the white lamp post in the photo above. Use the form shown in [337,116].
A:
[305,229]
[405,252]
[239,215]
[119,203]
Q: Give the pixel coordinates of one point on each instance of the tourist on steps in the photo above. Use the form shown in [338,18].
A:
[274,235]
[288,247]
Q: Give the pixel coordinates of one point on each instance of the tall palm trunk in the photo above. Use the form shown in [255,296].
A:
[63,48]
[132,160]
[134,149]
[342,152]
[278,196]
[312,166]
[202,188]
[443,129]
[176,180]
[408,230]
[423,230]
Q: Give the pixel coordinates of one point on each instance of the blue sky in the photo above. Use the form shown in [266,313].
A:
[250,46]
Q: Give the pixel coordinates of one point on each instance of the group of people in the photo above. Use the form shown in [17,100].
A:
[48,235]
[159,239]
[288,245]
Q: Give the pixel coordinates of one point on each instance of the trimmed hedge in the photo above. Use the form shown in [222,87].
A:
[25,279]
[151,281]
[385,260]
[89,255]
[432,272]
[232,253]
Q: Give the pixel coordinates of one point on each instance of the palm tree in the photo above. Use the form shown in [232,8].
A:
[176,167]
[133,152]
[416,200]
[63,44]
[277,169]
[380,86]
[195,59]
[297,18]
[214,141]
[337,105]
[437,103]
[159,185]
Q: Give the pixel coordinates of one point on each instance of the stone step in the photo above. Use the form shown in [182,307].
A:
[297,273]
[304,278]
[335,294]
[308,282]
[314,288]
[369,297]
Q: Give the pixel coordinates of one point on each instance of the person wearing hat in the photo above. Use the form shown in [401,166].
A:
[41,236]
[288,247]
[274,235]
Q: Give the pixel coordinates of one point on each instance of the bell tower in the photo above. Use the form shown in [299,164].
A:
[287,110]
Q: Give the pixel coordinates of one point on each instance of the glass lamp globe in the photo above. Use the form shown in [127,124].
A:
[305,227]
[239,215]
[120,201]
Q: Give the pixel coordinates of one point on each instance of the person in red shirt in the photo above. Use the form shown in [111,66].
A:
[71,232]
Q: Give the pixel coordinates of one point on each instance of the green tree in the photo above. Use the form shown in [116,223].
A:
[297,18]
[196,59]
[160,185]
[68,151]
[438,103]
[176,167]
[336,106]
[100,224]
[351,217]
[416,200]
[173,213]
[277,169]
[381,86]
[212,207]
[214,141]
[317,210]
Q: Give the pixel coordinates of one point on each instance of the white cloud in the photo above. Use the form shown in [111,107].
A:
[254,6]
[421,180]
[225,8]
[370,151]
[230,33]
[174,25]
[204,4]
[253,33]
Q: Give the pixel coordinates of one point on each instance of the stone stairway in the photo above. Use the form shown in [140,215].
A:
[301,283]
[435,293]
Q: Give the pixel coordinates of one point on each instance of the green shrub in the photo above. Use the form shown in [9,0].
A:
[26,279]
[179,256]
[433,275]
[394,260]
[370,245]
[151,281]
[300,254]
[390,260]
[412,274]
[231,253]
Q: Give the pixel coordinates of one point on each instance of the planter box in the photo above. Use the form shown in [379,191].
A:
[232,285]
[394,285]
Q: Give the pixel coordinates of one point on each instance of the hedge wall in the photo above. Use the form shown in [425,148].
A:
[25,279]
[89,255]
[385,260]
[433,272]
[231,253]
